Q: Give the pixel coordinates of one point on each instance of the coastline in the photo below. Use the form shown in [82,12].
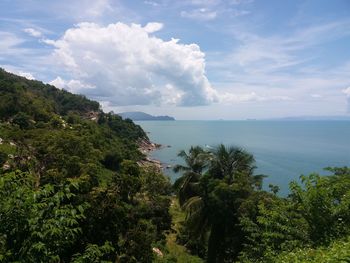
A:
[146,147]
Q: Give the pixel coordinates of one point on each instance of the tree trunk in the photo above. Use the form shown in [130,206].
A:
[217,235]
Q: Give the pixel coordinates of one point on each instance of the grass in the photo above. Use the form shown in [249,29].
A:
[7,148]
[176,252]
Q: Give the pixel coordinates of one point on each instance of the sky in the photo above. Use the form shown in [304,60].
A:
[193,59]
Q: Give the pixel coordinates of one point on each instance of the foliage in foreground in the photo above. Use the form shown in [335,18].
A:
[213,191]
[229,218]
[338,251]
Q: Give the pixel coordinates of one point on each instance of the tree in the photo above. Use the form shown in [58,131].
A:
[213,211]
[276,225]
[324,203]
[315,214]
[228,162]
[22,120]
[196,161]
[40,225]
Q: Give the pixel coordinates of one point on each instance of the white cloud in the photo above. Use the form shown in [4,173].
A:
[153,27]
[236,13]
[229,98]
[346,91]
[202,14]
[152,3]
[83,9]
[240,2]
[33,32]
[277,52]
[18,72]
[98,7]
[205,2]
[130,66]
[9,43]
[207,10]
[58,83]
[75,86]
[15,52]
[277,67]
[25,74]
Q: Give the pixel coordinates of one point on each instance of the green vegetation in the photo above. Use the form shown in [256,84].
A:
[70,186]
[71,190]
[229,218]
[338,251]
[174,251]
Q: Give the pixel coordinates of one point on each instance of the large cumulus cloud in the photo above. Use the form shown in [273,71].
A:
[128,65]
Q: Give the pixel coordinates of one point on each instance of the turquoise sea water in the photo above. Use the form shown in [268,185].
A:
[283,149]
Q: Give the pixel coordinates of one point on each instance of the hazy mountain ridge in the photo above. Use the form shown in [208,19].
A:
[142,116]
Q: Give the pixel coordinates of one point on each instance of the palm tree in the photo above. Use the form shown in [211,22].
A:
[228,162]
[234,167]
[213,208]
[197,217]
[196,161]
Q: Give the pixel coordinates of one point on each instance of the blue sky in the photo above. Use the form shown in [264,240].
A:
[194,59]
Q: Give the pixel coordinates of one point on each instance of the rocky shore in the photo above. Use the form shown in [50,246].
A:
[146,147]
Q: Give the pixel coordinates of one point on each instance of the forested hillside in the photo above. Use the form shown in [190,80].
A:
[70,186]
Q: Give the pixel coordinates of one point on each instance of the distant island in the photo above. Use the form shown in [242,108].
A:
[142,116]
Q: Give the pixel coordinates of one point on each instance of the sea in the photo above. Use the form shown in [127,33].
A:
[283,150]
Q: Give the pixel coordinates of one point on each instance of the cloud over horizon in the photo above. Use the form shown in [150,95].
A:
[128,65]
[347,93]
